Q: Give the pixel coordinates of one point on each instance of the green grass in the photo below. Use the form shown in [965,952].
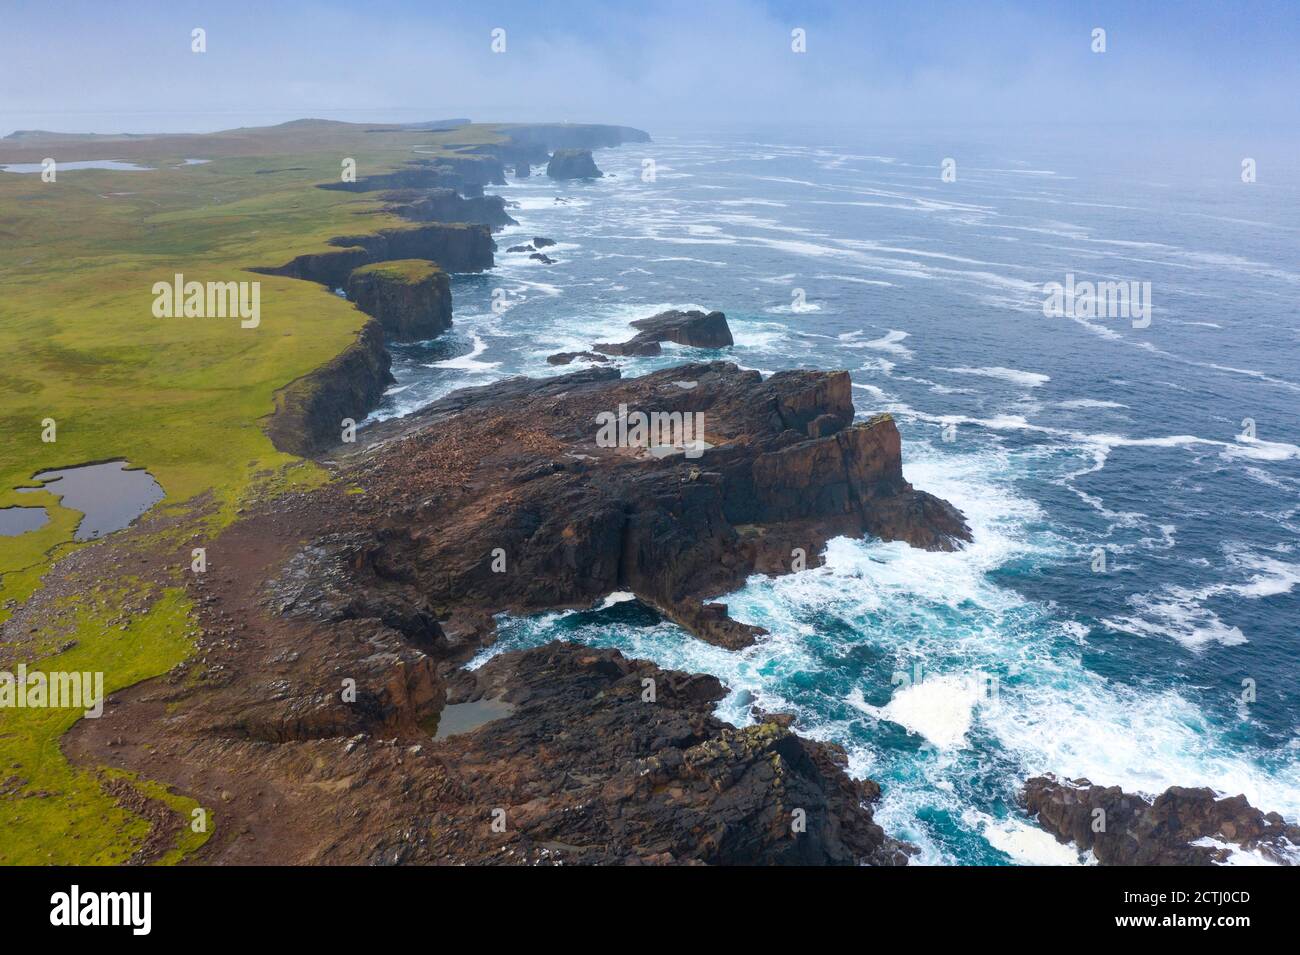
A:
[406,271]
[64,817]
[183,398]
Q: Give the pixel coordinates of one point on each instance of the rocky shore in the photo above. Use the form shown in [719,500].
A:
[317,715]
[1181,826]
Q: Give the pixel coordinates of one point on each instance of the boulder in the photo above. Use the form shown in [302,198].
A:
[566,357]
[694,328]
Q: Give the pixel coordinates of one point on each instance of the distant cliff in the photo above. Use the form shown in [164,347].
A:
[455,247]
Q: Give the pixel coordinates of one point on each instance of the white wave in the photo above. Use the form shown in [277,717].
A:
[1026,844]
[940,708]
[469,362]
[1089,403]
[1028,379]
[891,342]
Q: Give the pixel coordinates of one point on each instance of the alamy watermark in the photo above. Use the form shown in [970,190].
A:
[666,431]
[55,690]
[1130,300]
[182,299]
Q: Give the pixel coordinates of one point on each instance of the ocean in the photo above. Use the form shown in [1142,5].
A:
[1128,609]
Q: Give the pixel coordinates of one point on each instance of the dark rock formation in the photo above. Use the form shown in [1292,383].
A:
[566,357]
[543,258]
[518,466]
[447,205]
[333,635]
[455,247]
[309,412]
[694,328]
[572,164]
[1138,831]
[521,248]
[466,174]
[541,242]
[411,298]
[523,170]
[683,787]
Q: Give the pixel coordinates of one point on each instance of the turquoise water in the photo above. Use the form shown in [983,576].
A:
[950,678]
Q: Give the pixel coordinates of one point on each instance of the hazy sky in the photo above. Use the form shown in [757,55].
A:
[127,66]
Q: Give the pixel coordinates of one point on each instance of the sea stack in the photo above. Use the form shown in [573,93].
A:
[572,164]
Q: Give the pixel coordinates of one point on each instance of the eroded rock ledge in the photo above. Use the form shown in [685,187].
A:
[335,623]
[1181,826]
[516,468]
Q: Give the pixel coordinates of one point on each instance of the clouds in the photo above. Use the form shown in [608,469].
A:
[128,66]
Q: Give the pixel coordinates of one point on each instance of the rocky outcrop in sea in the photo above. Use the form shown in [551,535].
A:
[1181,826]
[572,164]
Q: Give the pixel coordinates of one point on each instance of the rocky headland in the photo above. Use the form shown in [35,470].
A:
[327,716]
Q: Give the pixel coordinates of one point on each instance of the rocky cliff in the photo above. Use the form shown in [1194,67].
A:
[572,164]
[447,205]
[411,298]
[309,412]
[455,247]
[520,467]
[467,174]
[327,713]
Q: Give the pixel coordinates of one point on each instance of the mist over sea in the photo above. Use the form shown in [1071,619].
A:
[1056,436]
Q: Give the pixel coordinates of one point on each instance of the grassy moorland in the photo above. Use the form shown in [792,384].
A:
[182,397]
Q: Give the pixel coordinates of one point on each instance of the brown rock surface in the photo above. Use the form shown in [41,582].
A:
[334,623]
[694,328]
[1160,831]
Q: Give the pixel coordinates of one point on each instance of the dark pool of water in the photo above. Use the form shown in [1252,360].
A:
[457,718]
[110,495]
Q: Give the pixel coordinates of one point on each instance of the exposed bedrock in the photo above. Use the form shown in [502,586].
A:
[1127,829]
[572,164]
[455,247]
[567,357]
[332,638]
[411,298]
[694,328]
[519,469]
[447,205]
[309,412]
[626,780]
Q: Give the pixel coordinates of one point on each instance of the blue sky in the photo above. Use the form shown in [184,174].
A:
[127,66]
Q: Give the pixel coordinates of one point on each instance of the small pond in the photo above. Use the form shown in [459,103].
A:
[110,495]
